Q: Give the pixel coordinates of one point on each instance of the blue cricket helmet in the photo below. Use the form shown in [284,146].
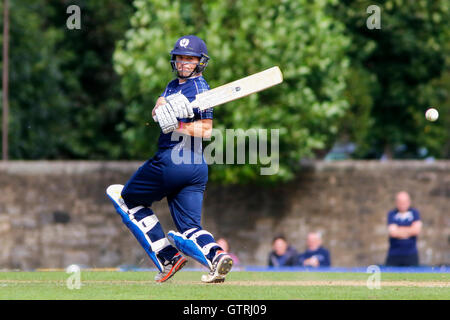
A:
[191,45]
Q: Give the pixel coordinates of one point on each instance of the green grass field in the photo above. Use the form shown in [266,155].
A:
[186,285]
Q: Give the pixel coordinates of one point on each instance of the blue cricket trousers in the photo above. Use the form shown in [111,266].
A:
[183,185]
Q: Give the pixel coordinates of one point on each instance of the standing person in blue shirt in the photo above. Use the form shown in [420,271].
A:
[315,255]
[182,183]
[404,226]
[282,254]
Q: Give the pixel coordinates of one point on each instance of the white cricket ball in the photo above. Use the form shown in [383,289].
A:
[432,114]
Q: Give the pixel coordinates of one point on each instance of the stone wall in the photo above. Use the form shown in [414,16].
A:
[53,214]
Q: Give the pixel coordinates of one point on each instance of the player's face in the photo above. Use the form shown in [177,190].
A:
[186,64]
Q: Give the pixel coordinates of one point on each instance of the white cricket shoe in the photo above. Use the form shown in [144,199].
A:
[221,265]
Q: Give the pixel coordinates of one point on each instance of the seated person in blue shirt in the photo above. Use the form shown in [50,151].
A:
[315,255]
[404,226]
[282,254]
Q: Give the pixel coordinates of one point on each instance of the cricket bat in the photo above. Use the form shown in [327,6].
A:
[238,89]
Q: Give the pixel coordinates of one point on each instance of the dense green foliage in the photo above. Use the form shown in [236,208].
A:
[37,105]
[398,72]
[64,95]
[94,87]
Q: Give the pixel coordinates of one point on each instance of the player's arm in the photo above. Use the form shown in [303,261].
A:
[397,232]
[200,128]
[394,229]
[414,229]
[313,262]
[404,232]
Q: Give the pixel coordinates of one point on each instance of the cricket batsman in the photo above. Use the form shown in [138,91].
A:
[183,184]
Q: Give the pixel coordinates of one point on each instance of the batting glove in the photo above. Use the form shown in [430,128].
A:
[181,106]
[167,118]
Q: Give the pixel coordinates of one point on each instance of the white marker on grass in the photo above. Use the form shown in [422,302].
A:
[432,114]
[74,281]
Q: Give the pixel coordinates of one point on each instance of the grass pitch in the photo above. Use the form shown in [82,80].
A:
[240,285]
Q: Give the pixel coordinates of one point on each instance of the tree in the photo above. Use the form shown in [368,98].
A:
[94,90]
[243,37]
[38,108]
[65,98]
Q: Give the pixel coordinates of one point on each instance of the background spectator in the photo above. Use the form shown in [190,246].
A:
[315,255]
[404,226]
[282,254]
